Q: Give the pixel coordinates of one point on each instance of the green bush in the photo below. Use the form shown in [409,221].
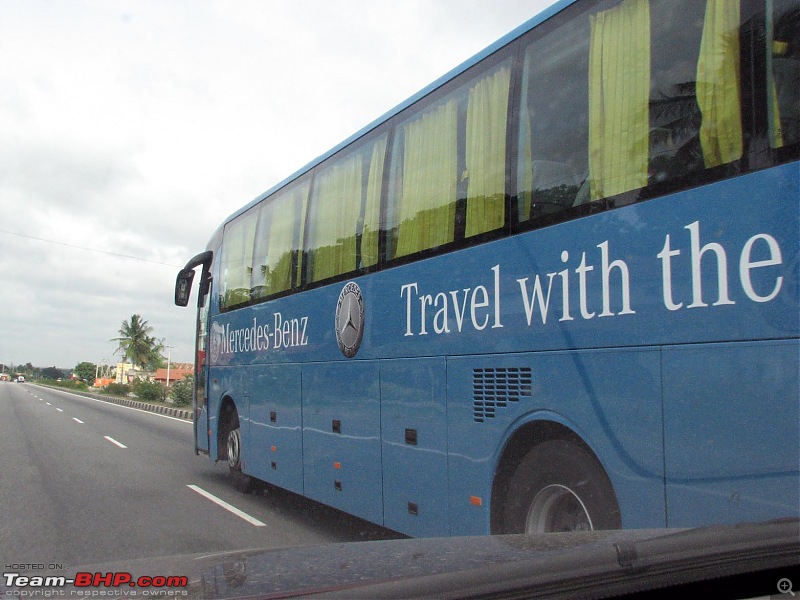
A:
[117,389]
[70,384]
[181,391]
[149,391]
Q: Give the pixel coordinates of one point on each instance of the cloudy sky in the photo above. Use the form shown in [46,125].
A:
[130,129]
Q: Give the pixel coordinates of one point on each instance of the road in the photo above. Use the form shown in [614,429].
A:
[86,482]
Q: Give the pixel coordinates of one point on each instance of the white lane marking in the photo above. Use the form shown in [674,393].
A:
[113,441]
[77,420]
[60,409]
[226,506]
[48,404]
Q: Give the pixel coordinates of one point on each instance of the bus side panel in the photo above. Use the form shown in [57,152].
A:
[342,437]
[276,421]
[413,422]
[731,428]
[609,398]
[710,264]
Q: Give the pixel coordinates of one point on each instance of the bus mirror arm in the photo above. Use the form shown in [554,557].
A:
[205,286]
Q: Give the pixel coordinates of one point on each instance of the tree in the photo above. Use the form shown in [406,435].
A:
[181,391]
[86,371]
[155,359]
[52,373]
[150,391]
[29,371]
[135,342]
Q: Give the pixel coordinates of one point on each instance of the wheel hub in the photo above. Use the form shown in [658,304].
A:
[557,508]
[234,446]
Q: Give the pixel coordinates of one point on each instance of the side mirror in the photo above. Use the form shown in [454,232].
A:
[183,284]
[183,287]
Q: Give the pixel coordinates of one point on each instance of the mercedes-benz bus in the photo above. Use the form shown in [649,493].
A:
[555,290]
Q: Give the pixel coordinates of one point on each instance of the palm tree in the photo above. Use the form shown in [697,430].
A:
[135,343]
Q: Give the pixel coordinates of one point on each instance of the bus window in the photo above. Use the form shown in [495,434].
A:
[620,99]
[277,242]
[344,217]
[425,159]
[448,167]
[237,260]
[553,142]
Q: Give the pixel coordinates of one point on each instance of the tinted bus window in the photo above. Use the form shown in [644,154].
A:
[620,99]
[278,241]
[344,217]
[448,167]
[237,260]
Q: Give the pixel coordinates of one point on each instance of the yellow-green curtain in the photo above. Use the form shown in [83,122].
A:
[426,211]
[487,113]
[237,259]
[619,91]
[336,207]
[372,209]
[775,129]
[718,84]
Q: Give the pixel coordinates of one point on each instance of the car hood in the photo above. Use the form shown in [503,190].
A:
[584,564]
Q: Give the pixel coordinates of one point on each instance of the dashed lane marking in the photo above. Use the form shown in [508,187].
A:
[226,506]
[113,441]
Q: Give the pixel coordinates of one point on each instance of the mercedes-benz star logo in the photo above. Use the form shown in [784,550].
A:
[350,319]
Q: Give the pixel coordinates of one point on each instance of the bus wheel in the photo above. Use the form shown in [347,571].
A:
[240,481]
[559,486]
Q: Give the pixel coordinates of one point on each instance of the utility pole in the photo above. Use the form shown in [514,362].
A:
[169,356]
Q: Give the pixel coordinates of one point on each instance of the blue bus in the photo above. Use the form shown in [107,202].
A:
[555,290]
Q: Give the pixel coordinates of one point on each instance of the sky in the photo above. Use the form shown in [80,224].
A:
[129,130]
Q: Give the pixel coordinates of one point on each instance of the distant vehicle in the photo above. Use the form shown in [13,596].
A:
[555,290]
[20,379]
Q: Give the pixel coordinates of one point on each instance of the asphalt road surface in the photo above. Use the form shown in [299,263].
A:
[86,482]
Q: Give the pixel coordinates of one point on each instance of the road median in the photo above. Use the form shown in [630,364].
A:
[156,407]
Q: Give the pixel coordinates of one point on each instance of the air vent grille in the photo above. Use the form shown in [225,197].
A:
[494,388]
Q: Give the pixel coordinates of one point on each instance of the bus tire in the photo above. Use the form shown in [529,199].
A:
[239,480]
[560,486]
